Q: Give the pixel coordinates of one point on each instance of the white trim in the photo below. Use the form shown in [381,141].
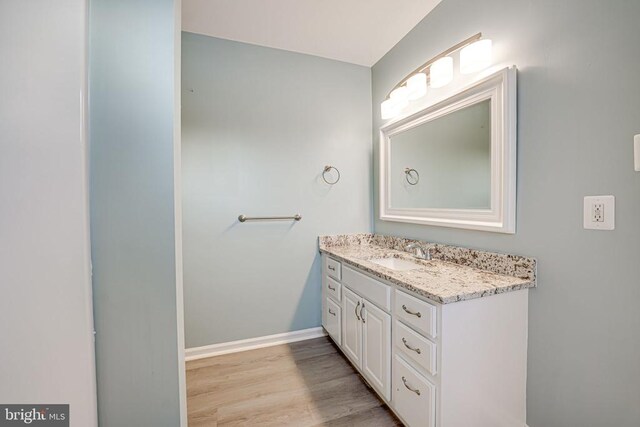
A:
[500,88]
[84,138]
[177,206]
[253,343]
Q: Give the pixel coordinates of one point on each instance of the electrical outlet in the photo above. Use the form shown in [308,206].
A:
[636,151]
[599,212]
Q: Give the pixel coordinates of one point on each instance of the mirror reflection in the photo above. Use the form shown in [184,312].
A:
[444,163]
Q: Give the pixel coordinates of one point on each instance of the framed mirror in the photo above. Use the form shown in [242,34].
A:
[453,164]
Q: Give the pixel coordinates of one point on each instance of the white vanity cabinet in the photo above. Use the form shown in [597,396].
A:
[367,340]
[415,359]
[331,296]
[352,326]
[376,346]
[460,364]
[365,336]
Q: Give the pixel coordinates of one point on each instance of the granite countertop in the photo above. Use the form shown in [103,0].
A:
[454,273]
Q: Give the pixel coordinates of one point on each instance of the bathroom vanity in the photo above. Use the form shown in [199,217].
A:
[443,341]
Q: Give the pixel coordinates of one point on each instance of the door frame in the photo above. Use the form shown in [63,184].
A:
[177,200]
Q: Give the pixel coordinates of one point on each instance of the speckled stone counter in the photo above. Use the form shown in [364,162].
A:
[453,274]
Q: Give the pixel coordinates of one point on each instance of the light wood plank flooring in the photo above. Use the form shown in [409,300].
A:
[308,383]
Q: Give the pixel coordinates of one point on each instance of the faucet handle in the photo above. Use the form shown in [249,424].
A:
[422,252]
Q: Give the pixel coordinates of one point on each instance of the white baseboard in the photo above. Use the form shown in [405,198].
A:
[252,343]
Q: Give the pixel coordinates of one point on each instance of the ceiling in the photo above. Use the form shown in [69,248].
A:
[355,31]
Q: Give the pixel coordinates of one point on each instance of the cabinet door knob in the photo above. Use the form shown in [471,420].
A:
[358,317]
[415,390]
[331,287]
[417,314]
[331,312]
[417,350]
[332,268]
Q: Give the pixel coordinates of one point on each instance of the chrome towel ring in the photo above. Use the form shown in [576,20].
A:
[324,174]
[412,176]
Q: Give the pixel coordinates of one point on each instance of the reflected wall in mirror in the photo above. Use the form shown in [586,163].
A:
[451,157]
[453,163]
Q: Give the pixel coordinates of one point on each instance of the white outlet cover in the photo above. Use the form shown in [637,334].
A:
[609,222]
[636,152]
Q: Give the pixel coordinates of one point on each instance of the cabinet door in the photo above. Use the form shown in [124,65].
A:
[351,326]
[333,320]
[376,352]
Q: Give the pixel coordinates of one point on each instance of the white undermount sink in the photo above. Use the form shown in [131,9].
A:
[398,264]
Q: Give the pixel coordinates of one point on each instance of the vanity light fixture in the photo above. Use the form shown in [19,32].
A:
[400,96]
[389,109]
[417,86]
[441,72]
[398,99]
[475,55]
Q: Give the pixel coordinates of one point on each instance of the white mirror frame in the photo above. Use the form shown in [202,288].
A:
[500,88]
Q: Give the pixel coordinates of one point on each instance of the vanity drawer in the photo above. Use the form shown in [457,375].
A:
[333,320]
[333,288]
[373,290]
[416,313]
[416,348]
[414,397]
[333,268]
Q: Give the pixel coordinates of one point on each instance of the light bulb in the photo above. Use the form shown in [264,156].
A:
[389,109]
[441,72]
[398,99]
[417,86]
[475,57]
[400,96]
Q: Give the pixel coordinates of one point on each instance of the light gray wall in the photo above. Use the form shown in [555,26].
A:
[46,324]
[259,125]
[132,113]
[578,109]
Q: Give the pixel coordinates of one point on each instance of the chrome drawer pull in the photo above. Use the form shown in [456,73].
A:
[357,310]
[333,289]
[361,315]
[417,350]
[416,391]
[418,314]
[331,268]
[331,312]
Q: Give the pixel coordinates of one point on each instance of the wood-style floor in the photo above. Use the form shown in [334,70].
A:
[308,383]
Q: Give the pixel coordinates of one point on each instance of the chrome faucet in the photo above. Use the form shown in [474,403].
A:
[420,251]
